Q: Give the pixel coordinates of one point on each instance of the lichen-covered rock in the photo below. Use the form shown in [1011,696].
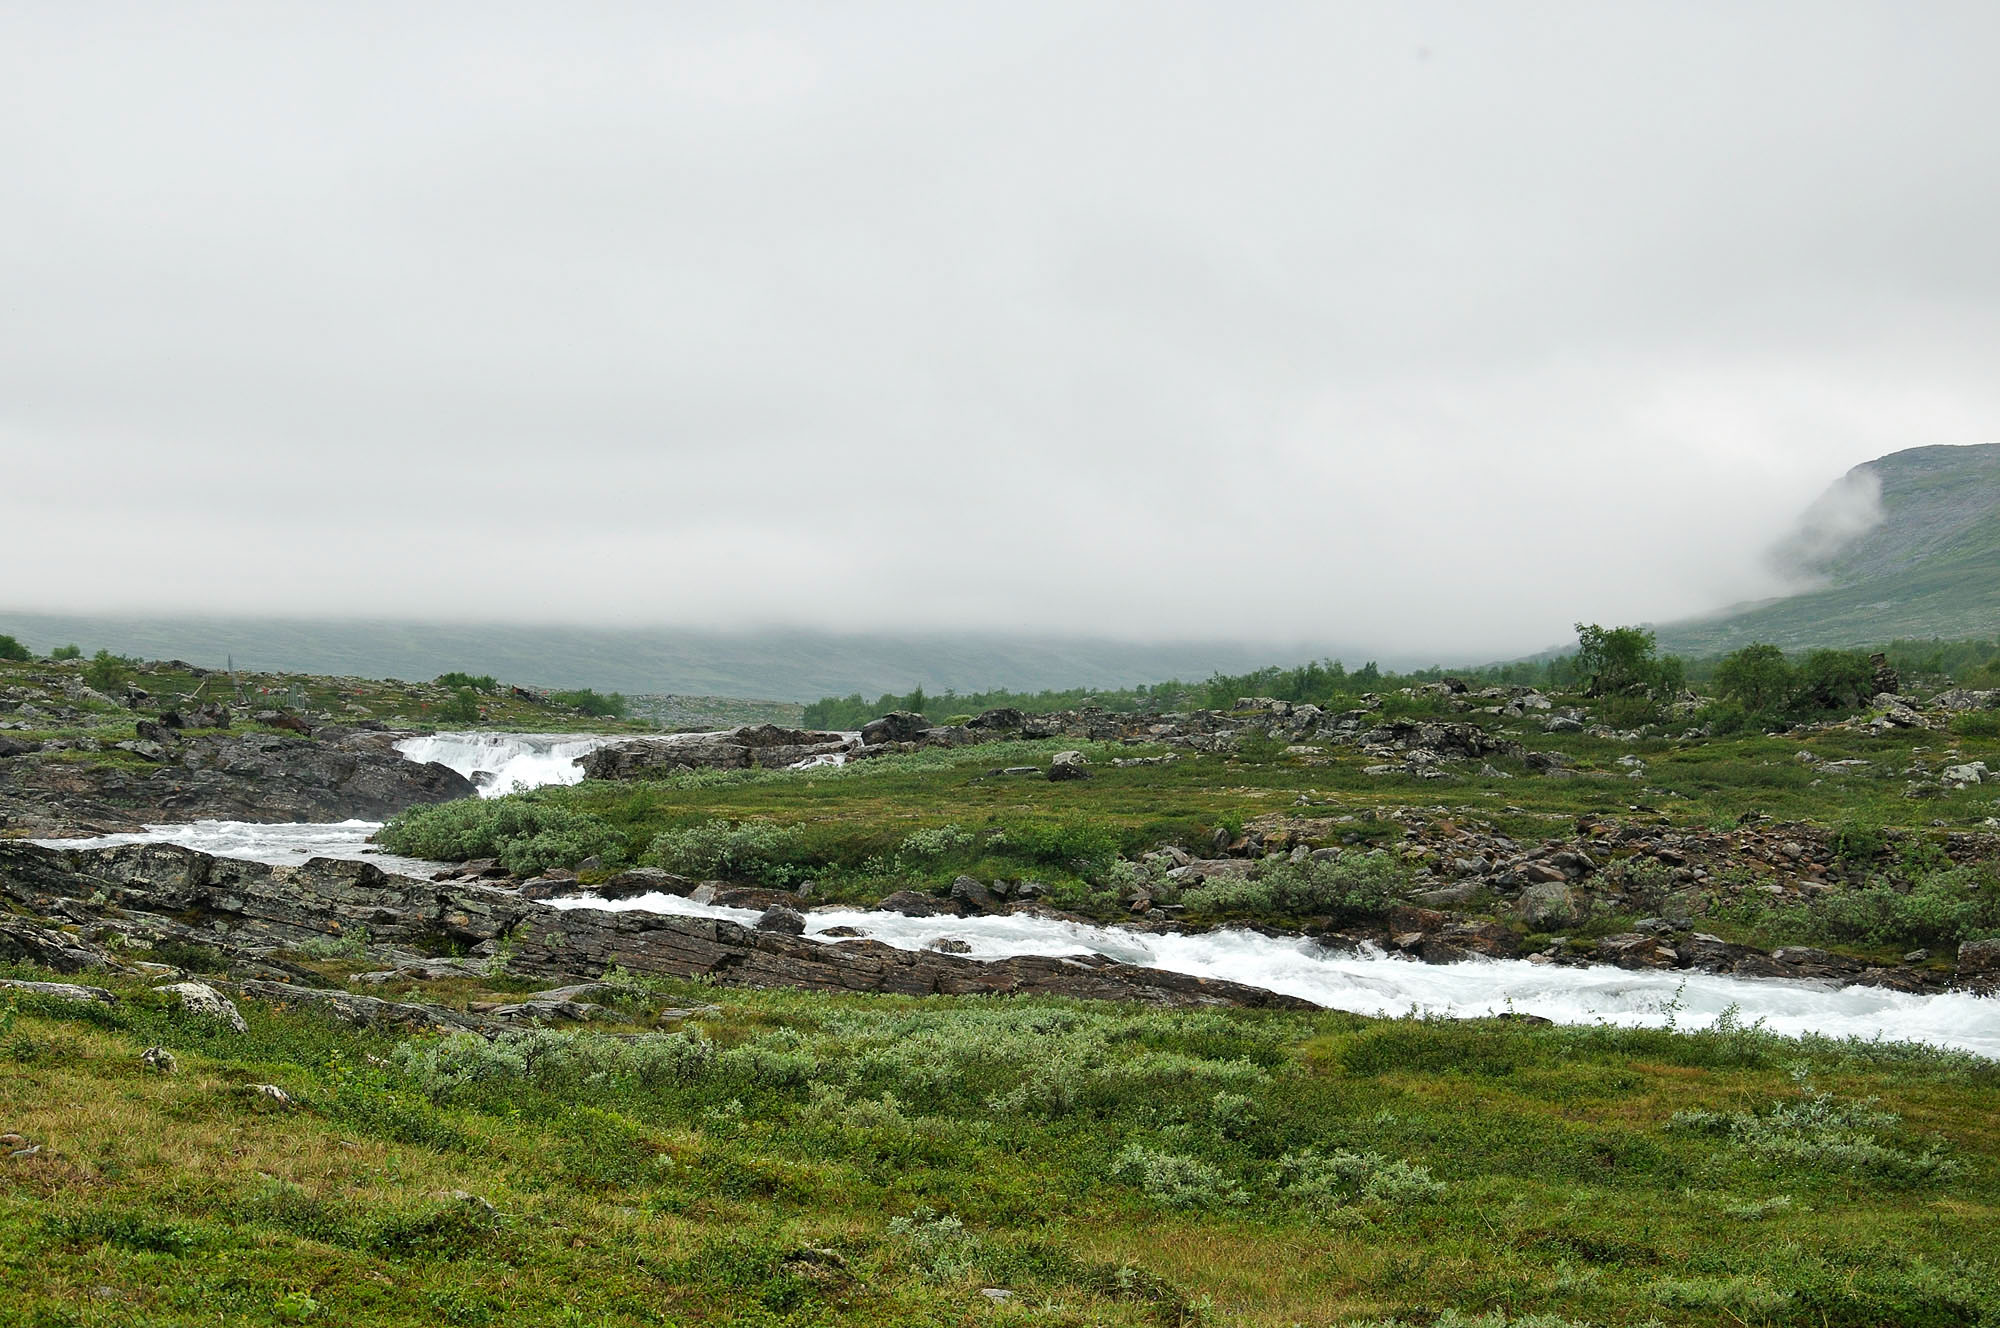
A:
[204,1002]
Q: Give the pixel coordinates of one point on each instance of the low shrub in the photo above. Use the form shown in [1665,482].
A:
[1325,1181]
[944,841]
[449,1067]
[754,850]
[939,1245]
[527,833]
[1351,887]
[608,705]
[1175,1180]
[1818,1132]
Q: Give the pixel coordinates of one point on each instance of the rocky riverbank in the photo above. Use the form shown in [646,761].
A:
[79,910]
[336,774]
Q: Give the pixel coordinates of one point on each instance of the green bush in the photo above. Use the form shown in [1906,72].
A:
[1351,887]
[1325,1181]
[609,705]
[13,650]
[1175,1180]
[70,651]
[1818,1132]
[753,850]
[527,835]
[1834,680]
[455,1066]
[482,683]
[107,672]
[1977,724]
[462,708]
[1940,907]
[1076,842]
[939,1245]
[939,842]
[1757,678]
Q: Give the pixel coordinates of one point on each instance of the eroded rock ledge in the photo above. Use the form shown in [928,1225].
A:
[337,775]
[254,913]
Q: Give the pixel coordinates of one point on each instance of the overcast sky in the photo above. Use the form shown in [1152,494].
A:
[1428,326]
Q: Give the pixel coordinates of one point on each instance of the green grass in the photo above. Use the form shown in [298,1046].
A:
[804,1159]
[917,821]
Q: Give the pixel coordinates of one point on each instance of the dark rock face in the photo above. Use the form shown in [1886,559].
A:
[896,726]
[761,746]
[587,941]
[230,777]
[1979,958]
[247,910]
[24,942]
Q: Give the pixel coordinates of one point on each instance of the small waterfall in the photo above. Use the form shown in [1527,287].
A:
[501,763]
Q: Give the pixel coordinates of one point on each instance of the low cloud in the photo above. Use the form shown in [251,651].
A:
[1434,328]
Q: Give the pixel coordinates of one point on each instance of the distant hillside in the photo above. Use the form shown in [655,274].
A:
[780,665]
[1904,546]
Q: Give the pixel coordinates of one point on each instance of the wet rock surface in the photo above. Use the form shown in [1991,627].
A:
[251,913]
[336,775]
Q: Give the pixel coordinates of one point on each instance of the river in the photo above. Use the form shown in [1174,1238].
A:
[1366,981]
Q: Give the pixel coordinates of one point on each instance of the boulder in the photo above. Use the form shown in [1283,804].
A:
[1638,950]
[24,942]
[1069,765]
[1547,906]
[896,726]
[786,921]
[1976,958]
[912,905]
[205,1002]
[61,991]
[972,894]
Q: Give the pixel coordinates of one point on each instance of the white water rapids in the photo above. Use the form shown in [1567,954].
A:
[501,763]
[1366,982]
[1371,982]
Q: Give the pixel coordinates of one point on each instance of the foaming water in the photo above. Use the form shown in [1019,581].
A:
[283,845]
[501,763]
[1371,982]
[497,762]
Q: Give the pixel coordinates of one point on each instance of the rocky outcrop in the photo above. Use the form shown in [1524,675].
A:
[751,746]
[335,776]
[588,941]
[252,913]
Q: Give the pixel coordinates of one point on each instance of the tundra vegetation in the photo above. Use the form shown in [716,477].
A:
[780,1158]
[703,1155]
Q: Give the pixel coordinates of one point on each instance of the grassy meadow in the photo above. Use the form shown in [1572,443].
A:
[777,1158]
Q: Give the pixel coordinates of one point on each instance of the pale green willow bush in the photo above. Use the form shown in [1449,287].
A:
[1819,1132]
[1175,1180]
[1325,1181]
[528,834]
[1351,886]
[755,850]
[448,1066]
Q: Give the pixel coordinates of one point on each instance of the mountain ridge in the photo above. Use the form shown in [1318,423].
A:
[1925,562]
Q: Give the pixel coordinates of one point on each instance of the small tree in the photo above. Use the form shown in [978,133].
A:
[106,671]
[1756,678]
[1615,659]
[70,651]
[1835,680]
[12,649]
